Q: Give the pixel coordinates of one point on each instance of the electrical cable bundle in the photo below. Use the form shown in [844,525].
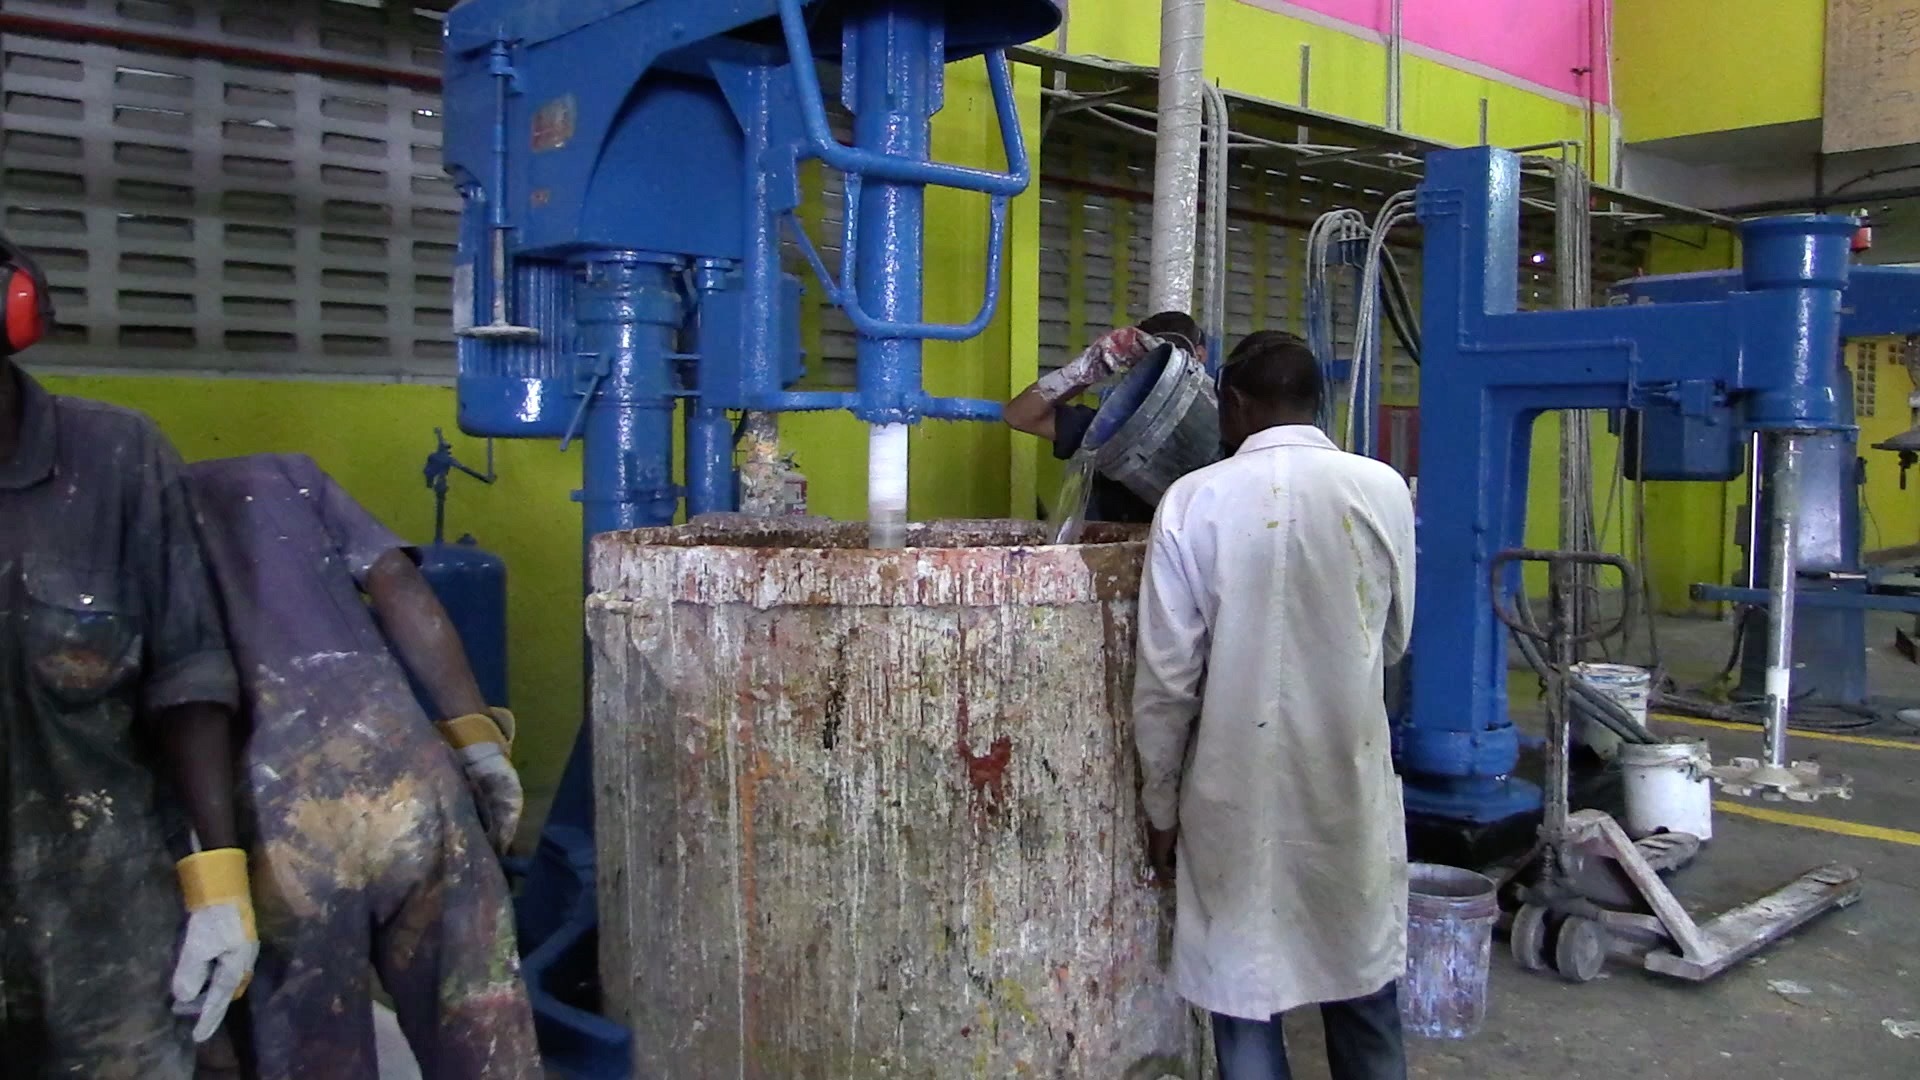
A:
[1382,290]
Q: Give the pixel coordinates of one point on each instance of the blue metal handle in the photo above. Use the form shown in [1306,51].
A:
[858,165]
[844,291]
[853,161]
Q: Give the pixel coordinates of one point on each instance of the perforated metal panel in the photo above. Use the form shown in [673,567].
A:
[1864,361]
[1096,223]
[1096,204]
[200,214]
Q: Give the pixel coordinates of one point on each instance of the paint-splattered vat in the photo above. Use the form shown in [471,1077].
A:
[873,813]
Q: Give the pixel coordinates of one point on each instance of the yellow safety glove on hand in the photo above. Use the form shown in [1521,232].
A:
[221,944]
[482,742]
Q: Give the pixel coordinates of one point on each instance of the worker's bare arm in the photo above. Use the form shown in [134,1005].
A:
[423,635]
[1031,412]
[197,741]
[1110,354]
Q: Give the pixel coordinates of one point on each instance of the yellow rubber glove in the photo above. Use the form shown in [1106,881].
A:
[482,745]
[220,946]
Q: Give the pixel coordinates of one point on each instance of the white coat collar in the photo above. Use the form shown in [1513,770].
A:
[1286,435]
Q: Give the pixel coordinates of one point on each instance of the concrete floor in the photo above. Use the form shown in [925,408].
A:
[1835,1000]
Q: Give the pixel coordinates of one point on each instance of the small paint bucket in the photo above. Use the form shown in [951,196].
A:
[1667,789]
[1623,684]
[1450,916]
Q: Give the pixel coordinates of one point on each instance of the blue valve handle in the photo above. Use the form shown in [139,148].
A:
[858,165]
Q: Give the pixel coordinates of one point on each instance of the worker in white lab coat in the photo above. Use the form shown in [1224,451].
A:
[1279,586]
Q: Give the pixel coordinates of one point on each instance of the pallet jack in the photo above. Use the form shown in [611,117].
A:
[1587,891]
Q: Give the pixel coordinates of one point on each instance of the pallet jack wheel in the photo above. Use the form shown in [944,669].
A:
[1580,949]
[1528,937]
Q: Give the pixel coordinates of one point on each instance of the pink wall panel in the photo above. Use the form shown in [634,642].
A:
[1372,14]
[1541,41]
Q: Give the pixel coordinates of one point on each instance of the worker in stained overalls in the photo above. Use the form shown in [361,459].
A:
[373,853]
[116,696]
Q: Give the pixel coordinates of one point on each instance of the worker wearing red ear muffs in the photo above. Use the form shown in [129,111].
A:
[116,696]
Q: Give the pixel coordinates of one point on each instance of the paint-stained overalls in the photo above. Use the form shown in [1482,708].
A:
[367,849]
[106,620]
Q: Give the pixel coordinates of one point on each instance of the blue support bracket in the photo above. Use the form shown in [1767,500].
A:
[1856,599]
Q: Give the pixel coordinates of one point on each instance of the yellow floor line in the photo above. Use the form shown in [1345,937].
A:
[1808,821]
[1795,736]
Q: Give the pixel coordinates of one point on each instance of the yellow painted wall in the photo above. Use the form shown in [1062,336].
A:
[1892,517]
[1255,51]
[1682,67]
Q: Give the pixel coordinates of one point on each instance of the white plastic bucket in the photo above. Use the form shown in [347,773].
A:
[1627,687]
[1667,789]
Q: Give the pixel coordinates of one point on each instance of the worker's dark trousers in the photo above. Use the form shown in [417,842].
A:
[368,858]
[1363,1042]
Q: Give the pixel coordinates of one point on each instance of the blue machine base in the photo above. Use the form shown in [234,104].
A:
[1483,804]
[1472,829]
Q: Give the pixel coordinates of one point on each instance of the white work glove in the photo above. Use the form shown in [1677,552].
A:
[482,741]
[1110,354]
[220,945]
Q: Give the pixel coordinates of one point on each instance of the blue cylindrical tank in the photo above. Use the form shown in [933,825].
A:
[471,583]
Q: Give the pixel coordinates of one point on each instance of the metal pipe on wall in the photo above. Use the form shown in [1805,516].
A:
[1396,40]
[1176,167]
[1573,287]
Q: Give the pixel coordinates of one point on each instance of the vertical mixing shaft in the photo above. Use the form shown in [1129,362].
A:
[893,85]
[1784,464]
[1778,776]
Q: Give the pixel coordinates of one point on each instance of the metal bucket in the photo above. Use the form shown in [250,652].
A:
[1667,789]
[1450,916]
[1161,423]
[1628,687]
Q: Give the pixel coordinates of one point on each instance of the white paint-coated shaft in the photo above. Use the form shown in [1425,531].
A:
[1783,571]
[887,485]
[1176,167]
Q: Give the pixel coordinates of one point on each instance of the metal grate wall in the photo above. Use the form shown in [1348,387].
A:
[1096,218]
[196,214]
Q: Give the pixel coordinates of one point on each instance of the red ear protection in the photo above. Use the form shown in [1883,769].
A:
[26,304]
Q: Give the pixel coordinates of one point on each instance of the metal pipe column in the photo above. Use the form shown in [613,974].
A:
[629,313]
[709,434]
[1176,166]
[893,75]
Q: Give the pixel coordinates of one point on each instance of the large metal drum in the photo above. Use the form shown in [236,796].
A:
[873,813]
